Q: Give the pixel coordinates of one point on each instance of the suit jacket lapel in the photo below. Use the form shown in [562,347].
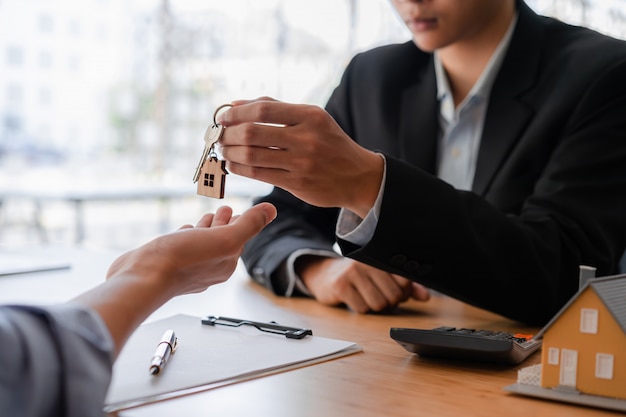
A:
[507,114]
[419,122]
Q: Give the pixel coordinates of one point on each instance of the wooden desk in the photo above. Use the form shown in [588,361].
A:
[383,380]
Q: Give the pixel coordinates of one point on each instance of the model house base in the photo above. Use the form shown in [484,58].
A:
[567,396]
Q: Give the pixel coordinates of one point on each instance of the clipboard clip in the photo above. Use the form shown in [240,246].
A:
[288,332]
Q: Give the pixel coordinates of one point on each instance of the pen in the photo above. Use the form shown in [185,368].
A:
[166,347]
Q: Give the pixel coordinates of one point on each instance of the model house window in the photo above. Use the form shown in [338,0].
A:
[604,365]
[208,180]
[589,320]
[553,356]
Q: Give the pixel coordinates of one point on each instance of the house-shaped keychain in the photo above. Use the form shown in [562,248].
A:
[212,178]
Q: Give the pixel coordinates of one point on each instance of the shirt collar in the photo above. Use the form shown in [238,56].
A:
[482,87]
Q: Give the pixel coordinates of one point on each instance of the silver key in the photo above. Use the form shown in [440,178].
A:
[212,135]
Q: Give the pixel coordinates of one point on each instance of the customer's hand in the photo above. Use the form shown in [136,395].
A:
[194,258]
[362,288]
[301,149]
[186,261]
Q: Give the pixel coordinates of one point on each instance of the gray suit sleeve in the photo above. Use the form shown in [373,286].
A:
[55,361]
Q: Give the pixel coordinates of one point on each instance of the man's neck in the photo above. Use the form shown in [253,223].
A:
[464,61]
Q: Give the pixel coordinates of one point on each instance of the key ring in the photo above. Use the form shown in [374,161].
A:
[217,111]
[211,171]
[215,125]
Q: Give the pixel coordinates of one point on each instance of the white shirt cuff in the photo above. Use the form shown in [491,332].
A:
[352,228]
[294,280]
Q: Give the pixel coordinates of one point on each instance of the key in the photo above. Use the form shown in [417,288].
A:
[212,135]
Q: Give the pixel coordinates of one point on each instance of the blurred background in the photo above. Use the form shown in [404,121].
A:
[104,103]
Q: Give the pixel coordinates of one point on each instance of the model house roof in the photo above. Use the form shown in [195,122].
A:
[611,290]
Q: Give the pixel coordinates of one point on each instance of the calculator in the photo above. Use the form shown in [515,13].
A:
[467,344]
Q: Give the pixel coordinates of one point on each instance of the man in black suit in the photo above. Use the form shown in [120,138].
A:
[485,160]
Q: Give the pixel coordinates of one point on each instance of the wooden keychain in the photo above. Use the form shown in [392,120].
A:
[211,172]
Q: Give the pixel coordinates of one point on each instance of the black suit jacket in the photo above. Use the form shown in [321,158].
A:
[549,193]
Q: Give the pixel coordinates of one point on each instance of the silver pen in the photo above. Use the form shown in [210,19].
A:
[166,347]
